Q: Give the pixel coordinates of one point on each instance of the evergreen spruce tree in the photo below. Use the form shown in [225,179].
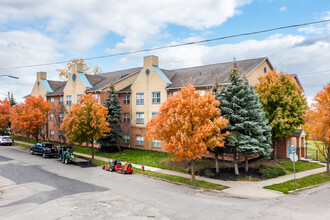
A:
[115,137]
[249,130]
[216,88]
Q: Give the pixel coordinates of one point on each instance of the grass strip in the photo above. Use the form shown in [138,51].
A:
[22,145]
[172,178]
[179,179]
[300,166]
[32,141]
[303,182]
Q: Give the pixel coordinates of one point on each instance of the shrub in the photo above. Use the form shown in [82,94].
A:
[271,172]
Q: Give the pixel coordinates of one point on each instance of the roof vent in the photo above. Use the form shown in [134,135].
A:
[122,76]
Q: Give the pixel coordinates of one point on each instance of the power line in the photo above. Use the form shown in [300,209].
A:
[309,73]
[175,45]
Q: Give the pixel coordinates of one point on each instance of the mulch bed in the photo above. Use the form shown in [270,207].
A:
[228,174]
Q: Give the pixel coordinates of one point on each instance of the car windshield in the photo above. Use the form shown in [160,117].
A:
[48,145]
[6,138]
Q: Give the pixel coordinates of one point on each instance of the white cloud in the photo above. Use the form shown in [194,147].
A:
[323,28]
[287,53]
[18,48]
[283,8]
[82,24]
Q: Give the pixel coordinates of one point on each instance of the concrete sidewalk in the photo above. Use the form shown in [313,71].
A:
[243,189]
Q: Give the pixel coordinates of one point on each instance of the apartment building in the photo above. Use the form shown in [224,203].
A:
[141,91]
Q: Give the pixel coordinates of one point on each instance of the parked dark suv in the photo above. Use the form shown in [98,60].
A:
[45,149]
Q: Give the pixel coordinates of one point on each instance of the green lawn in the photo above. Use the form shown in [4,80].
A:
[300,166]
[32,140]
[301,183]
[133,156]
[312,151]
[153,159]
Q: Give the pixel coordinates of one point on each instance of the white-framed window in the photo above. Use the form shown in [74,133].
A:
[52,100]
[51,134]
[126,139]
[60,116]
[154,114]
[126,117]
[68,100]
[139,140]
[126,99]
[140,118]
[202,92]
[78,98]
[60,100]
[52,117]
[140,98]
[96,96]
[156,143]
[155,97]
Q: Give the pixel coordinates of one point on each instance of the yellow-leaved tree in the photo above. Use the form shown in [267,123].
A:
[188,124]
[86,122]
[283,102]
[66,72]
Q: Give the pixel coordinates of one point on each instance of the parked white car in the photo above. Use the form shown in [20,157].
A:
[6,140]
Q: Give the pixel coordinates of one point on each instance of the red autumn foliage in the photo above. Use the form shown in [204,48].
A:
[4,115]
[188,124]
[29,117]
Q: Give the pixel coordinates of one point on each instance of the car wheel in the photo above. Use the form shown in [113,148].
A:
[32,151]
[44,155]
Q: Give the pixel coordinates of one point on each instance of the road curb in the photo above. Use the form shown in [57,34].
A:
[305,188]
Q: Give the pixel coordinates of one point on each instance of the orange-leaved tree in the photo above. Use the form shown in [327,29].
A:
[319,122]
[4,115]
[188,124]
[86,122]
[29,117]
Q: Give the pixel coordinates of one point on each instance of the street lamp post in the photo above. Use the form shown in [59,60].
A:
[14,77]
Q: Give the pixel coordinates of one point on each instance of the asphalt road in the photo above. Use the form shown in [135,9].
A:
[32,187]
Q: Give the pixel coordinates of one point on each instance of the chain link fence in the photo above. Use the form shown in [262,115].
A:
[314,154]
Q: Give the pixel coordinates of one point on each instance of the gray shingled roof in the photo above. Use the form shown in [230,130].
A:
[125,90]
[57,87]
[298,133]
[103,80]
[204,75]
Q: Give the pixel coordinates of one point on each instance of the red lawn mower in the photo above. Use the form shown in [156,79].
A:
[116,166]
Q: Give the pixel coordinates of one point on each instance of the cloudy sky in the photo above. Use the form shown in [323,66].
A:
[37,32]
